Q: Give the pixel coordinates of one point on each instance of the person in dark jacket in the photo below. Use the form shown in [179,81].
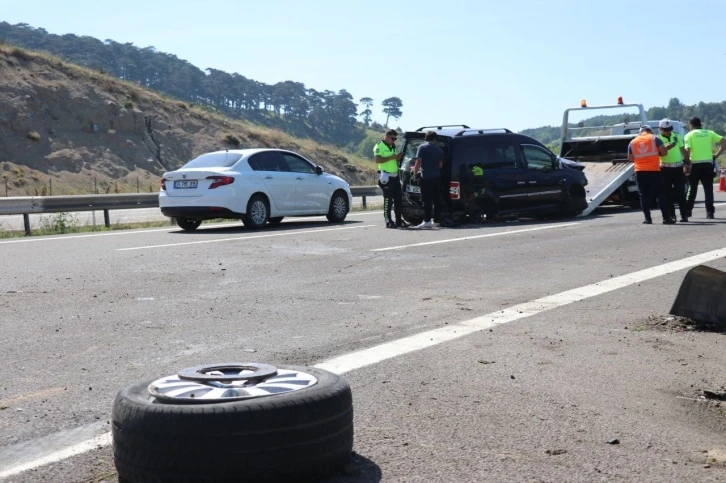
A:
[429,161]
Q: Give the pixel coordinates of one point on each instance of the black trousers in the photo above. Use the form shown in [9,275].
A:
[675,180]
[651,183]
[391,196]
[430,197]
[703,173]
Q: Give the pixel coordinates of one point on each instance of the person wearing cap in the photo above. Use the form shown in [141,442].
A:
[644,152]
[674,166]
[699,144]
[386,158]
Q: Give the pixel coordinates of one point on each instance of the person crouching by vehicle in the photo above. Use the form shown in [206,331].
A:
[429,161]
[674,166]
[645,152]
[385,156]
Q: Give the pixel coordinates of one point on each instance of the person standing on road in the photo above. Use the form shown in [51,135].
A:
[645,151]
[699,144]
[386,158]
[429,161]
[674,166]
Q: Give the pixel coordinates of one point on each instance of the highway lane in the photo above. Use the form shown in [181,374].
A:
[90,313]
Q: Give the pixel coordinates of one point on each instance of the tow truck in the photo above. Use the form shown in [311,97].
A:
[602,147]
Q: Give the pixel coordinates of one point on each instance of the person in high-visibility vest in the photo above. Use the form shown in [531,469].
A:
[699,144]
[645,152]
[674,166]
[385,156]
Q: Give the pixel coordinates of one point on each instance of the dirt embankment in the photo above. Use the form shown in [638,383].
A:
[72,130]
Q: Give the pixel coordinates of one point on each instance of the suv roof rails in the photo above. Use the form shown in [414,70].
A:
[443,126]
[482,131]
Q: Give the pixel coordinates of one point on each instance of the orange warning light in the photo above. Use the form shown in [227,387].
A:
[583,103]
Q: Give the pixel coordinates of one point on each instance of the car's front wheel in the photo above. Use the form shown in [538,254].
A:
[188,224]
[258,212]
[338,207]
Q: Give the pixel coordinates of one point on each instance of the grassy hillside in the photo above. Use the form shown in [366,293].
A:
[73,130]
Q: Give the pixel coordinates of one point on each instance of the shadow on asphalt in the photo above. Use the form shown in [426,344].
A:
[286,225]
[358,470]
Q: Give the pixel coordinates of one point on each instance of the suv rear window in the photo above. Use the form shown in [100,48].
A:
[214,160]
[412,144]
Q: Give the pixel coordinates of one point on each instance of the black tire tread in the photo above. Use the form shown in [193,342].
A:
[301,435]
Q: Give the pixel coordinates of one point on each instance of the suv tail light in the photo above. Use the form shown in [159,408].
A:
[220,181]
[163,184]
[454,190]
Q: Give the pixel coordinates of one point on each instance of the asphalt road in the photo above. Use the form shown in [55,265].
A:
[141,215]
[540,348]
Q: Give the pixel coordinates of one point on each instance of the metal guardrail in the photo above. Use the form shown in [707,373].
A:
[27,205]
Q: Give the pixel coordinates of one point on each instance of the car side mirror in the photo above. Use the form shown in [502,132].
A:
[318,170]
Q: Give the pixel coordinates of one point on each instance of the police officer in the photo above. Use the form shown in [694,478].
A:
[385,156]
[699,144]
[645,151]
[674,166]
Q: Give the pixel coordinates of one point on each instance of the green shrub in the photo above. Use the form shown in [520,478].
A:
[59,223]
[231,139]
[129,105]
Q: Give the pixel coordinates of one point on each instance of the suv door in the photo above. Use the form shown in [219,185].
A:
[313,190]
[491,171]
[277,178]
[544,182]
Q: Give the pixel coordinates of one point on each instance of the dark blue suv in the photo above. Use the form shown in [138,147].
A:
[490,173]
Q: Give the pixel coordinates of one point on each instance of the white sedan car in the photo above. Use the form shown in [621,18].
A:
[259,186]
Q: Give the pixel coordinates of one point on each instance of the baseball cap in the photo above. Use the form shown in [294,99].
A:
[665,124]
[646,128]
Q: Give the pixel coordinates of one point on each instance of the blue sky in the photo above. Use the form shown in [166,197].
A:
[486,63]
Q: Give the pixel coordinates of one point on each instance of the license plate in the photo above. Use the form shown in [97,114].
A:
[180,185]
[413,189]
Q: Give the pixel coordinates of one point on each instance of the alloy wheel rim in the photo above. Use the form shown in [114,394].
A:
[228,382]
[259,212]
[339,206]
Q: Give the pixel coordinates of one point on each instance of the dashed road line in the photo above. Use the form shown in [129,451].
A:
[238,238]
[451,240]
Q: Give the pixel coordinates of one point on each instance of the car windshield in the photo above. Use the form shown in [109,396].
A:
[214,160]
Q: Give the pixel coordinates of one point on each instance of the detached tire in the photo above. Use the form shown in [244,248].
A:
[301,435]
[188,224]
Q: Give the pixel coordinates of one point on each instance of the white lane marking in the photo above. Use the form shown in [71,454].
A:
[143,231]
[74,450]
[388,350]
[218,240]
[512,232]
[366,357]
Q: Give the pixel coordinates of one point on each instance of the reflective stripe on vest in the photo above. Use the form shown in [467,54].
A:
[645,153]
